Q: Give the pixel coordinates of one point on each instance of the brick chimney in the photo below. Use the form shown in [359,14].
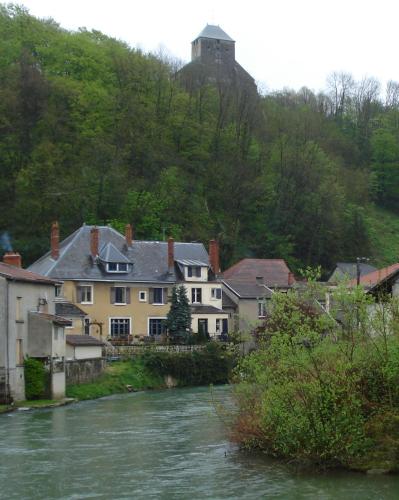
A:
[291,279]
[55,240]
[129,235]
[171,255]
[214,256]
[13,259]
[94,241]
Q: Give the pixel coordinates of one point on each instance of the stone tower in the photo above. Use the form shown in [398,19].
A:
[213,61]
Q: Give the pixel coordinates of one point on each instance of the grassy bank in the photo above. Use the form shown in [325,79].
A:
[213,365]
[116,378]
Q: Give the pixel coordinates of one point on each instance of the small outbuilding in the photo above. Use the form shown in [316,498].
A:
[83,347]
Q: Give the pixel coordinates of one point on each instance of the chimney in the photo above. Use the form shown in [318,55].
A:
[129,235]
[171,255]
[13,259]
[94,237]
[55,240]
[291,279]
[214,256]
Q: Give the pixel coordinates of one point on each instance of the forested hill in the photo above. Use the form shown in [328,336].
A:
[94,131]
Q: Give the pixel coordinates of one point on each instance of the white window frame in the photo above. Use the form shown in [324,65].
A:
[117,270]
[148,322]
[163,298]
[261,309]
[60,290]
[120,317]
[92,294]
[124,294]
[213,293]
[194,292]
[194,271]
[145,296]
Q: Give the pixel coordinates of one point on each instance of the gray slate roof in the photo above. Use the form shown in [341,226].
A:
[109,253]
[84,340]
[205,310]
[247,289]
[149,258]
[213,31]
[349,270]
[68,309]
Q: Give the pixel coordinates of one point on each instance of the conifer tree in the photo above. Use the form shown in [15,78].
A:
[178,320]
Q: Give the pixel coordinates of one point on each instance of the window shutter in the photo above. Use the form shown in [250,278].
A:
[165,295]
[112,295]
[127,295]
[151,295]
[78,294]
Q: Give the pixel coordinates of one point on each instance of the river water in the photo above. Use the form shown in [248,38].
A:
[156,444]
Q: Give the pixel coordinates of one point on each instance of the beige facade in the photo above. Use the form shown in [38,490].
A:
[101,311]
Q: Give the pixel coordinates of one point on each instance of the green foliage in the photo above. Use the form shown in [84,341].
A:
[115,379]
[178,321]
[36,379]
[94,131]
[317,388]
[212,365]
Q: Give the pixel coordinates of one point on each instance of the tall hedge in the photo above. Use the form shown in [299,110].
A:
[35,379]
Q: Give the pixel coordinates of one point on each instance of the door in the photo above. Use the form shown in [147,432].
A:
[203,328]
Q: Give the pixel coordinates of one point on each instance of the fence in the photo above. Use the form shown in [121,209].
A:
[127,351]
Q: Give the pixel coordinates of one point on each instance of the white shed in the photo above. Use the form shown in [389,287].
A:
[83,347]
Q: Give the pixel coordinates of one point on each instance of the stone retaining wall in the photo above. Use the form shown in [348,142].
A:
[81,371]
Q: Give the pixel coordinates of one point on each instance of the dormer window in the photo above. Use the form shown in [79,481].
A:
[117,267]
[194,271]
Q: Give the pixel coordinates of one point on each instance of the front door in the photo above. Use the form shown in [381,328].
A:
[203,327]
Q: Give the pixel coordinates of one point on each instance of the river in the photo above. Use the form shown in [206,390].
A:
[155,444]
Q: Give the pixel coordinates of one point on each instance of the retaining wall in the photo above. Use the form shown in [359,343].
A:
[81,371]
[127,351]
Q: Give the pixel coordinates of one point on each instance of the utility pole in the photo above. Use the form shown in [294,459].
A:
[358,261]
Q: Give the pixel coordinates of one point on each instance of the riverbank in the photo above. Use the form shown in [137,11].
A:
[36,404]
[159,370]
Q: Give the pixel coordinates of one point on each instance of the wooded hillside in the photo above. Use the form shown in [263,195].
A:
[94,131]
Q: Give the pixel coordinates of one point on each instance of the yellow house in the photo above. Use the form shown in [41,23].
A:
[123,285]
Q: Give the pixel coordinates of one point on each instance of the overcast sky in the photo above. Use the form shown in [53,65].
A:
[281,43]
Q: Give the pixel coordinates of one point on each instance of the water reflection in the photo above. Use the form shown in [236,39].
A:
[166,444]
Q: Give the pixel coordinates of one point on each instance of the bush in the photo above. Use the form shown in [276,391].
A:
[35,379]
[314,396]
[212,365]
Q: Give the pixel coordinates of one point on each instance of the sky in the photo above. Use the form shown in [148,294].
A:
[281,43]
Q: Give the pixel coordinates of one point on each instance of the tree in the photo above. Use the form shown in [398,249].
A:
[178,320]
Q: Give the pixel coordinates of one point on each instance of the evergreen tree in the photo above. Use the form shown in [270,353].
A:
[178,320]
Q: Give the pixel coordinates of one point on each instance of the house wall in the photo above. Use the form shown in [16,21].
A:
[102,309]
[23,297]
[206,292]
[211,322]
[83,352]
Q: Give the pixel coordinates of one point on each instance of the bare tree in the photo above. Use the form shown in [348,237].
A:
[392,94]
[340,88]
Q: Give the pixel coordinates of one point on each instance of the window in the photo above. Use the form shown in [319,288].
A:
[218,326]
[85,294]
[18,310]
[117,267]
[58,333]
[87,326]
[261,309]
[158,295]
[142,296]
[196,295]
[58,290]
[20,352]
[120,295]
[119,327]
[156,326]
[194,271]
[216,293]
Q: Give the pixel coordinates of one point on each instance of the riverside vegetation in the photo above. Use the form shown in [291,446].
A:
[212,365]
[321,391]
[107,134]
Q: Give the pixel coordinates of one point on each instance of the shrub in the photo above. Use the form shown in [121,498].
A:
[35,379]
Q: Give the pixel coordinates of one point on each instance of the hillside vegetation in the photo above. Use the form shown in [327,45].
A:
[95,131]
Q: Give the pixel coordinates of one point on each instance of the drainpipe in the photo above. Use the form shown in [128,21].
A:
[7,391]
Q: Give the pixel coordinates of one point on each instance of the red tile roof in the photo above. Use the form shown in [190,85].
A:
[372,279]
[19,274]
[273,271]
